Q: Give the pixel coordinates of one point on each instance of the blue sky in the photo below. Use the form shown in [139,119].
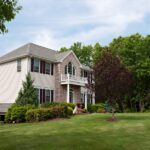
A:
[59,23]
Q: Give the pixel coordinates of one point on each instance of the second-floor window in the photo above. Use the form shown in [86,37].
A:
[70,69]
[19,65]
[47,68]
[41,66]
[84,73]
[36,65]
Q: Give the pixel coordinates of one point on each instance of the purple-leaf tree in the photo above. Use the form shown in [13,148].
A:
[112,80]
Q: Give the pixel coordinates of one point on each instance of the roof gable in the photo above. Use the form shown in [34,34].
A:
[67,54]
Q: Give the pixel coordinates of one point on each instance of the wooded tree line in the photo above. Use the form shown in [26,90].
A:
[133,53]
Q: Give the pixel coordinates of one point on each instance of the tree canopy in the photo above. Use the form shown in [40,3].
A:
[134,52]
[84,53]
[87,54]
[8,11]
[113,80]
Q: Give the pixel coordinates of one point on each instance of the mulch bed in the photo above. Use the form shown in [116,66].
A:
[112,119]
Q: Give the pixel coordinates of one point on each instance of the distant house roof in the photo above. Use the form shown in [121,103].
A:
[34,50]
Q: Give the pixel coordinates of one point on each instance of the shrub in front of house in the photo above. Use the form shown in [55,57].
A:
[84,110]
[101,110]
[40,114]
[8,114]
[71,105]
[70,111]
[48,104]
[43,114]
[94,108]
[17,113]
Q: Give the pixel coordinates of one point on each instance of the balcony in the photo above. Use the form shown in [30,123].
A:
[74,80]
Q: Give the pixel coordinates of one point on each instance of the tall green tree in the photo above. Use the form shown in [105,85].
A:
[27,94]
[8,11]
[84,53]
[97,52]
[134,52]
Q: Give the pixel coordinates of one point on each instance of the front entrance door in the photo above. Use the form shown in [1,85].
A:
[71,96]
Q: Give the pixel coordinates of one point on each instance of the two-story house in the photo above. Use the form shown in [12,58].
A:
[58,76]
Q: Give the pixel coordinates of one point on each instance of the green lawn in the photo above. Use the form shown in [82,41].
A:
[86,132]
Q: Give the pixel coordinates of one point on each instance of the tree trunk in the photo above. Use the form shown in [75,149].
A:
[141,105]
[113,114]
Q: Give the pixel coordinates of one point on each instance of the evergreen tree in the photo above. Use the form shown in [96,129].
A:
[27,94]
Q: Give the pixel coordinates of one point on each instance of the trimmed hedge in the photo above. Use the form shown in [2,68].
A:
[48,105]
[43,114]
[94,108]
[29,113]
[17,113]
[38,114]
[70,111]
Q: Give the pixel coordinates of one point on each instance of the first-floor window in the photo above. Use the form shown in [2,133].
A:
[42,96]
[47,95]
[52,95]
[88,97]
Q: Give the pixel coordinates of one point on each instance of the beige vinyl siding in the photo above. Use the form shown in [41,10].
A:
[43,81]
[11,80]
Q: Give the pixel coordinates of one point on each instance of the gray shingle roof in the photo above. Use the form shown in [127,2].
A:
[62,55]
[34,50]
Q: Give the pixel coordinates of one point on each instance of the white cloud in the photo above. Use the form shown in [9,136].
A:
[55,24]
[109,17]
[43,37]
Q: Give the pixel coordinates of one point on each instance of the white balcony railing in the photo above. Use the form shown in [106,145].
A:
[71,79]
